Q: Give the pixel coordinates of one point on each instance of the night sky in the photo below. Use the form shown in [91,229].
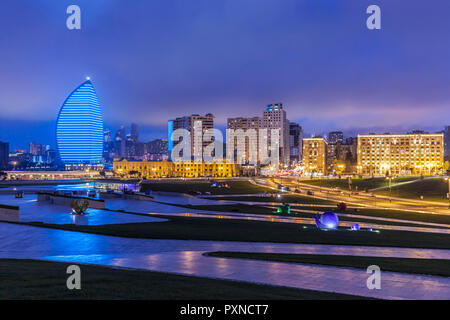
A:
[155,60]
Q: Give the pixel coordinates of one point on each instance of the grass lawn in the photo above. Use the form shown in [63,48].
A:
[32,279]
[434,189]
[406,265]
[291,198]
[362,184]
[255,209]
[194,228]
[186,186]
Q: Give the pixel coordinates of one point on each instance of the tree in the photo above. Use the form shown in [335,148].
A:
[339,166]
[446,166]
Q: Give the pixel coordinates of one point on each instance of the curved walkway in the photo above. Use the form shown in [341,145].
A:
[186,257]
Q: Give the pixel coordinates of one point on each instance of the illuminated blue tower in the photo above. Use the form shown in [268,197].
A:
[79,128]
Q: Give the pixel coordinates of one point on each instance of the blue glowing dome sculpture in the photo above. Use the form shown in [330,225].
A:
[79,128]
[328,220]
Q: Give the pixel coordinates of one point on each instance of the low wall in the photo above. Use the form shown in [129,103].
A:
[126,196]
[106,195]
[137,197]
[67,200]
[9,213]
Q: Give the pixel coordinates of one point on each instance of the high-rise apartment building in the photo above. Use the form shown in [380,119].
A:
[314,156]
[196,125]
[254,131]
[274,117]
[247,138]
[400,154]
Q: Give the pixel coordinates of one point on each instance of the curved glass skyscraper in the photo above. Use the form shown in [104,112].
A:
[79,128]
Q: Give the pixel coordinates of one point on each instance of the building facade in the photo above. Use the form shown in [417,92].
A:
[250,138]
[400,154]
[295,143]
[79,127]
[314,157]
[247,137]
[196,125]
[335,137]
[274,117]
[169,169]
[447,143]
[4,155]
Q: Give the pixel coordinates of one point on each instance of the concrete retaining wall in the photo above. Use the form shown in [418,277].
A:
[67,200]
[137,197]
[106,195]
[10,214]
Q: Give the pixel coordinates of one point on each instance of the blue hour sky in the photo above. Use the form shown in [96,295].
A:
[155,60]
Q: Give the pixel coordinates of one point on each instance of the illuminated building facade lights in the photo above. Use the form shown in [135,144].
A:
[402,154]
[79,128]
[314,156]
[168,169]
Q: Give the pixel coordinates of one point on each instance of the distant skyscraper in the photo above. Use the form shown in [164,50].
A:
[107,135]
[295,142]
[447,143]
[121,133]
[134,132]
[36,149]
[156,150]
[4,155]
[335,136]
[79,128]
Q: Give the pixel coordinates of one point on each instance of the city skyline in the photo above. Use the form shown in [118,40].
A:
[317,58]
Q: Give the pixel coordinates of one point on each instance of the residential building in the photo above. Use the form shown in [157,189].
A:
[251,137]
[247,139]
[314,156]
[400,154]
[196,125]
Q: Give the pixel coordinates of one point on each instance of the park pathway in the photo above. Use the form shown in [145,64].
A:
[187,258]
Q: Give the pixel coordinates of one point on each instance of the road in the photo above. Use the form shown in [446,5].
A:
[362,199]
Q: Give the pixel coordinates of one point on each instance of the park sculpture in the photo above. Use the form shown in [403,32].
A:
[327,220]
[79,206]
[284,209]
